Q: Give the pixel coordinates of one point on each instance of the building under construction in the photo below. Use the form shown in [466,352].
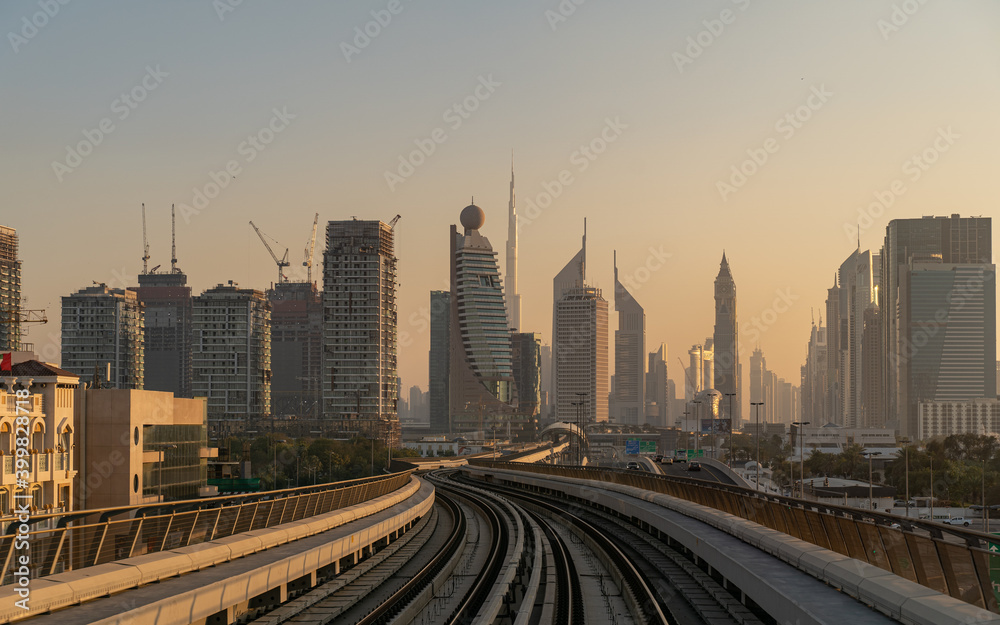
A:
[296,349]
[102,335]
[10,291]
[360,384]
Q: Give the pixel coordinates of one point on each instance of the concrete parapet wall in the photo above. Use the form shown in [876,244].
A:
[195,606]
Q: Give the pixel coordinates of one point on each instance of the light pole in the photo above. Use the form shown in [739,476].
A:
[870,455]
[906,472]
[729,458]
[932,488]
[802,461]
[583,409]
[986,511]
[697,427]
[756,413]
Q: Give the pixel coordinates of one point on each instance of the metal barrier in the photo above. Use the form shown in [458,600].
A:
[76,540]
[947,559]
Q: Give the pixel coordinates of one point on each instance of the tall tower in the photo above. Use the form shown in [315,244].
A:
[572,276]
[630,356]
[726,339]
[360,382]
[513,297]
[10,290]
[581,361]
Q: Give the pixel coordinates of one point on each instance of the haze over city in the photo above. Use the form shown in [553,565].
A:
[675,94]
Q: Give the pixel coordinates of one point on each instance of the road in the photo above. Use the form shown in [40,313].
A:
[677,469]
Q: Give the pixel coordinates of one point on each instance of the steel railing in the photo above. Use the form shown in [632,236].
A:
[951,560]
[79,539]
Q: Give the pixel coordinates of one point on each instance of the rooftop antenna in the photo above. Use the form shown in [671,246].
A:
[145,243]
[173,242]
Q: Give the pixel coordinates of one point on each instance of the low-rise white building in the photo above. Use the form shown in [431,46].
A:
[944,418]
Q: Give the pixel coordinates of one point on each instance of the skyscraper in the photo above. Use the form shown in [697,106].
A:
[166,302]
[581,361]
[10,290]
[658,389]
[360,381]
[102,328]
[437,366]
[630,357]
[513,297]
[814,378]
[526,355]
[481,376]
[956,240]
[726,337]
[571,276]
[947,326]
[231,356]
[296,349]
[858,283]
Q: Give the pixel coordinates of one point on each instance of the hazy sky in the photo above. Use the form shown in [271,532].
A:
[675,94]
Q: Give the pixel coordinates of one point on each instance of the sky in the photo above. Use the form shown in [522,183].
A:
[781,133]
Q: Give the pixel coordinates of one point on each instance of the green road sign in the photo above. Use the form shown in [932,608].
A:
[647,447]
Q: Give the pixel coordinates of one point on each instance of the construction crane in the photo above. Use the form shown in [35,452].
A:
[145,243]
[19,316]
[392,224]
[310,249]
[281,263]
[173,242]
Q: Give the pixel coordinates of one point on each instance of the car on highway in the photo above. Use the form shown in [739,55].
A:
[694,466]
[959,520]
[632,464]
[666,460]
[658,458]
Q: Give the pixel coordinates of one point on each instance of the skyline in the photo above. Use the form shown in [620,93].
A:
[858,142]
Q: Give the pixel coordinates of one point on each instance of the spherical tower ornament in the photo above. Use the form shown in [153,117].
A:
[472,217]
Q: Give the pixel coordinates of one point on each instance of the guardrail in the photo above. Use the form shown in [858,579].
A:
[947,559]
[76,540]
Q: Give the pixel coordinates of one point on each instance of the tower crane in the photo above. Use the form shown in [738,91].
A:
[310,249]
[392,224]
[281,263]
[145,243]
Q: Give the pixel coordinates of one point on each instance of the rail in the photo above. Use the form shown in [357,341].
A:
[948,559]
[84,538]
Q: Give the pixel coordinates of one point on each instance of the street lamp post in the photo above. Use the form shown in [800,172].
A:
[802,462]
[906,472]
[932,488]
[697,427]
[582,416]
[729,458]
[870,455]
[756,413]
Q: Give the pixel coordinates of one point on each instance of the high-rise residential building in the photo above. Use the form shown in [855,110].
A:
[526,357]
[10,291]
[437,366]
[513,297]
[102,334]
[833,407]
[481,375]
[814,388]
[572,276]
[947,334]
[658,389]
[166,303]
[872,415]
[581,360]
[758,365]
[546,381]
[360,391]
[858,284]
[296,349]
[630,357]
[784,402]
[726,337]
[231,356]
[694,380]
[957,240]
